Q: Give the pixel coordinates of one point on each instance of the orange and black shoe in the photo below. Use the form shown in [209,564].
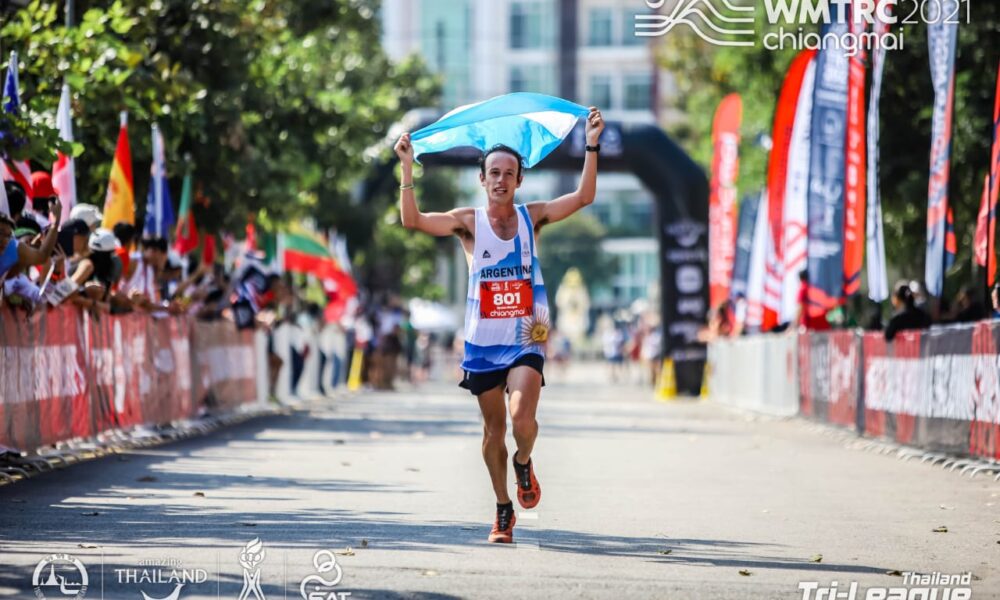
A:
[503,527]
[529,493]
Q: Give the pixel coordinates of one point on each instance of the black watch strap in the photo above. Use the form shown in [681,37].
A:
[596,148]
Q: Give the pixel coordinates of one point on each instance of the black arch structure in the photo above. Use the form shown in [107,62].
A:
[680,189]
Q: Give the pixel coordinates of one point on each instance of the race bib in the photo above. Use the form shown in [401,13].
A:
[505,299]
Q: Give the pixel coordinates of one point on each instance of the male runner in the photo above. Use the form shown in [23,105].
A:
[506,321]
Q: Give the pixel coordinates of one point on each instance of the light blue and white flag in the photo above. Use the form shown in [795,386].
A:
[532,124]
[160,218]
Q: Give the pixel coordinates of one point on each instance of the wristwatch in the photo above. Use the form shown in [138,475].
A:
[596,148]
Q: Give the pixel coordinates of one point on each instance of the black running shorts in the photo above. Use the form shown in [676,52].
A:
[478,383]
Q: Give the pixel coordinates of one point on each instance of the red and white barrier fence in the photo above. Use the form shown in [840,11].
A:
[938,389]
[65,374]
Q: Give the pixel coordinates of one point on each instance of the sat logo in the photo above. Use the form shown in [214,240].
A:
[316,587]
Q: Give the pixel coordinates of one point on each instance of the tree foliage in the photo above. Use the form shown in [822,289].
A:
[275,101]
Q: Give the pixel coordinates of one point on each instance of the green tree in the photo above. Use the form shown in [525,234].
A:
[276,101]
[575,242]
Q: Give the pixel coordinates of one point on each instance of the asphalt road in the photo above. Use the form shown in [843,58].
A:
[641,499]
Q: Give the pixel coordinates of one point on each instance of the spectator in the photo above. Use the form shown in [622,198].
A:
[98,272]
[87,213]
[806,318]
[907,315]
[125,232]
[18,289]
[965,308]
[141,287]
[43,194]
[995,296]
[13,254]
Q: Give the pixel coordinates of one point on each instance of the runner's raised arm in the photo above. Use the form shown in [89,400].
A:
[434,223]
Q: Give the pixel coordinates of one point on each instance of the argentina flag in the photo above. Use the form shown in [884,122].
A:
[532,124]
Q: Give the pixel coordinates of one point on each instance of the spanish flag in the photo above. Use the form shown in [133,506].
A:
[119,204]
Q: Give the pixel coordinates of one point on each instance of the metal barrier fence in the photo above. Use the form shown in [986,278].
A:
[755,373]
[938,390]
[66,375]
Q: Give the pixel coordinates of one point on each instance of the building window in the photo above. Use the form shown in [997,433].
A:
[639,91]
[532,78]
[600,91]
[601,27]
[531,24]
[629,38]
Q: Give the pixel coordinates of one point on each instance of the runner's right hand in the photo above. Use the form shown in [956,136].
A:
[404,149]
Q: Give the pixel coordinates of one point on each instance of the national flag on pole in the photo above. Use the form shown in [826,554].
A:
[208,250]
[532,124]
[159,208]
[14,170]
[994,190]
[64,171]
[187,231]
[4,206]
[119,203]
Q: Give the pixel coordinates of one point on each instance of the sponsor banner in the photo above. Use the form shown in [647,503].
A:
[878,281]
[65,374]
[778,166]
[794,229]
[942,38]
[749,207]
[825,203]
[722,198]
[855,182]
[938,390]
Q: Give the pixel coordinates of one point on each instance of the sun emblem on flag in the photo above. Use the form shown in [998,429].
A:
[535,328]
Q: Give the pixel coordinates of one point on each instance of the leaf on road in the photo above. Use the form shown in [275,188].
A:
[87,546]
[894,573]
[146,478]
[941,529]
[745,573]
[816,558]
[345,552]
[364,543]
[665,552]
[339,442]
[200,494]
[90,514]
[470,528]
[345,464]
[247,524]
[413,469]
[945,507]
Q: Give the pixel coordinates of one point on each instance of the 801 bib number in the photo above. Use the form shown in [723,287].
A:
[505,299]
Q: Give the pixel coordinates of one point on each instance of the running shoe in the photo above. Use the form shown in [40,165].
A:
[503,528]
[529,493]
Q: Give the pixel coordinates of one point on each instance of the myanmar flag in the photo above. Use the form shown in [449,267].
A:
[119,204]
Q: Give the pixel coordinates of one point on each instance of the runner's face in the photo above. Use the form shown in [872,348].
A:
[501,177]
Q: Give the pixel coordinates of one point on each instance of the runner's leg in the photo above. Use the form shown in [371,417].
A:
[491,403]
[525,385]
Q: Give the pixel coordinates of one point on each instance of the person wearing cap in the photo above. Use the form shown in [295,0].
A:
[43,193]
[104,269]
[14,254]
[87,213]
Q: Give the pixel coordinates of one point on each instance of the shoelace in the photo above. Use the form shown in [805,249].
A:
[503,520]
[523,475]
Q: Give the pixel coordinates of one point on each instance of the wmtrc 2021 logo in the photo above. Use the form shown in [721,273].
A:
[791,24]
